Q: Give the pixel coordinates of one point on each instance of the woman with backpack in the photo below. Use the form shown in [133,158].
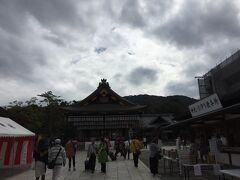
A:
[103,154]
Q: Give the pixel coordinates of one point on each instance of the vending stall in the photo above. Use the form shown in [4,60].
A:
[16,144]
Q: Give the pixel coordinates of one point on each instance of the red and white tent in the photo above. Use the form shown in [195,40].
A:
[16,144]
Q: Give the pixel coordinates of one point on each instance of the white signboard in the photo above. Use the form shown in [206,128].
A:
[205,105]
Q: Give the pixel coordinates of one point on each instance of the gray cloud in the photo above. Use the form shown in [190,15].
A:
[52,13]
[131,14]
[17,61]
[131,53]
[196,23]
[54,39]
[84,86]
[155,11]
[117,76]
[100,50]
[221,50]
[43,42]
[188,88]
[11,19]
[142,75]
[194,69]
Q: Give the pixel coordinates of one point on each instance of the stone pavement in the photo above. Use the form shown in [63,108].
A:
[175,175]
[116,170]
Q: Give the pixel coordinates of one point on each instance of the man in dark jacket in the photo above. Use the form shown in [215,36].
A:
[41,156]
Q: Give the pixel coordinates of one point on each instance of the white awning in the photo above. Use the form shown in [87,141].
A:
[9,128]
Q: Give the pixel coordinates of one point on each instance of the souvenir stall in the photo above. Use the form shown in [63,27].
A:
[16,144]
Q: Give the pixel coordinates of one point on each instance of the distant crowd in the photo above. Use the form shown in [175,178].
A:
[53,155]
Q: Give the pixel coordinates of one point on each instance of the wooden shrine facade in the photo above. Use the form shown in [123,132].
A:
[104,113]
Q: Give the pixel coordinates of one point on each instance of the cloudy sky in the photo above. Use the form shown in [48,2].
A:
[140,46]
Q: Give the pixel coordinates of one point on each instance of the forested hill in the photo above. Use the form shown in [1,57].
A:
[171,104]
[45,114]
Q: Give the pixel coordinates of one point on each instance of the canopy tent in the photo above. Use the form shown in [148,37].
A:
[16,144]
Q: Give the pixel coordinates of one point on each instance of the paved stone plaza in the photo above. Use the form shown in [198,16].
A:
[116,170]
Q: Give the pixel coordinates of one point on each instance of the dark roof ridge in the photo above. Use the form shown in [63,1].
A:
[105,85]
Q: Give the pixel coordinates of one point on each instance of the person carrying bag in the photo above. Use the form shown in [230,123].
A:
[52,163]
[56,159]
[91,154]
[135,149]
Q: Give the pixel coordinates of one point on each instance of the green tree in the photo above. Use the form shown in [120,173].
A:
[54,122]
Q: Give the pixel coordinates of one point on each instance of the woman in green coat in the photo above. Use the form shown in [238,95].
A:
[103,155]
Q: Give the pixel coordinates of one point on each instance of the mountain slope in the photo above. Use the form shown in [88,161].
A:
[170,104]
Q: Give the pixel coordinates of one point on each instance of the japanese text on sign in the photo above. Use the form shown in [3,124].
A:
[205,105]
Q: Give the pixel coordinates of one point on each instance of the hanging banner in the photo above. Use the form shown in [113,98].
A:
[23,160]
[2,153]
[205,105]
[15,152]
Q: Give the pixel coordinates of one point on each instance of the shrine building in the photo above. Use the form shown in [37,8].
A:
[104,113]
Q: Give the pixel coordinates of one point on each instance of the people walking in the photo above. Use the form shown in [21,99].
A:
[135,149]
[91,154]
[153,158]
[103,155]
[193,148]
[117,146]
[71,149]
[127,149]
[57,153]
[41,156]
[145,142]
[122,147]
[203,149]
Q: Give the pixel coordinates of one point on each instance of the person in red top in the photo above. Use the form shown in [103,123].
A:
[70,149]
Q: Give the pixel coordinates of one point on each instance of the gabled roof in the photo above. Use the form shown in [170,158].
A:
[105,95]
[163,120]
[9,128]
[156,120]
[104,99]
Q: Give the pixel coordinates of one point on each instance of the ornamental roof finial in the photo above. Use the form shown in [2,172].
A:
[103,82]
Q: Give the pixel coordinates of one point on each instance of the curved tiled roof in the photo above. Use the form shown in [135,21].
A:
[104,100]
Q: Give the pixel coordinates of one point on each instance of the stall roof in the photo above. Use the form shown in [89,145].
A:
[235,109]
[9,128]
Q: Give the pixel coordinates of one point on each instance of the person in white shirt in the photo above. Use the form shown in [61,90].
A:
[57,149]
[178,143]
[153,157]
[159,143]
[91,154]
[127,147]
[223,139]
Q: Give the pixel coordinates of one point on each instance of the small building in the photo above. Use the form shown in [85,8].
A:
[150,125]
[218,110]
[16,144]
[104,113]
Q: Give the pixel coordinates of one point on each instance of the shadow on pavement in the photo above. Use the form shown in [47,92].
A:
[5,173]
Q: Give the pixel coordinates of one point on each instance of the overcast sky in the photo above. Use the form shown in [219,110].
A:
[152,47]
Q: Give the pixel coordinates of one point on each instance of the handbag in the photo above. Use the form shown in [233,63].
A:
[52,163]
